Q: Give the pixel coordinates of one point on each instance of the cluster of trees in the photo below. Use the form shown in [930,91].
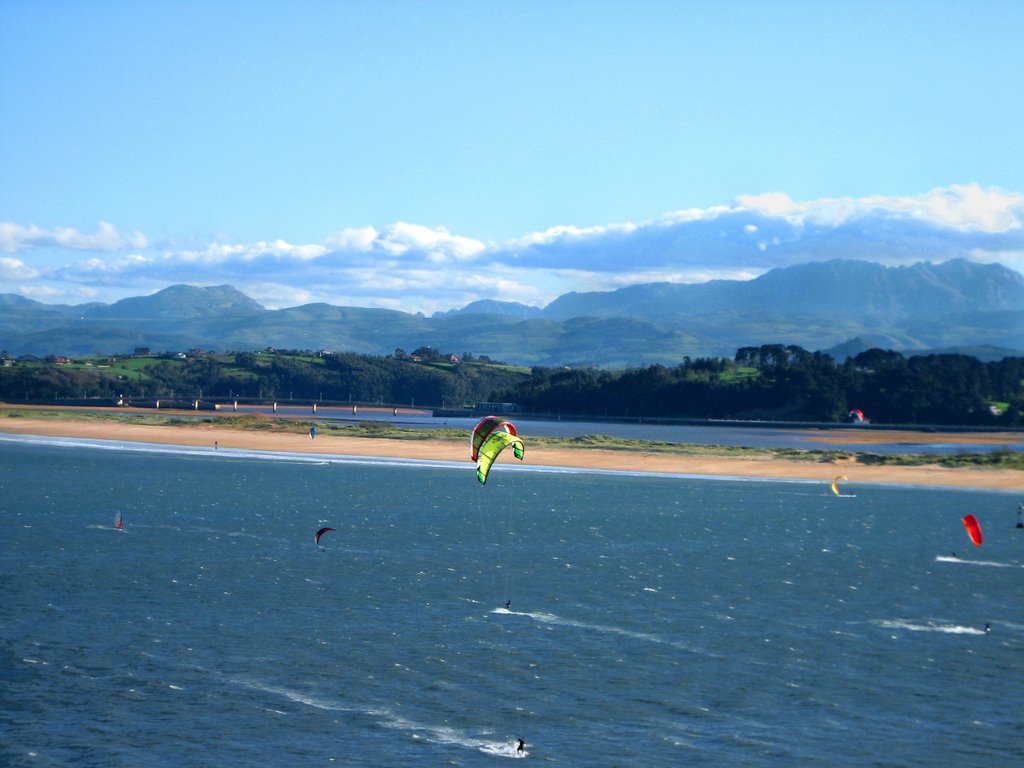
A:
[791,383]
[766,382]
[353,377]
[272,375]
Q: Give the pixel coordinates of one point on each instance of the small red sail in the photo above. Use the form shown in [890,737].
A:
[973,528]
[117,520]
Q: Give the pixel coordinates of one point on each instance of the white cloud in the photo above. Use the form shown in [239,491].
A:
[968,207]
[286,251]
[436,243]
[356,239]
[214,253]
[568,234]
[14,237]
[771,203]
[402,245]
[16,269]
[691,215]
[96,268]
[219,253]
[773,230]
[41,292]
[972,207]
[279,295]
[422,268]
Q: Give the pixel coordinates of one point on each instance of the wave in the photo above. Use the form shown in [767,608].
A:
[987,563]
[550,618]
[385,718]
[502,749]
[107,527]
[930,626]
[447,735]
[294,696]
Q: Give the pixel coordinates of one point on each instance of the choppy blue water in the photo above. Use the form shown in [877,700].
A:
[654,621]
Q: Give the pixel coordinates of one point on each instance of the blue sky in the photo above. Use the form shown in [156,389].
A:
[423,155]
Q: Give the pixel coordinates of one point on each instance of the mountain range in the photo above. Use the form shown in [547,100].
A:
[839,306]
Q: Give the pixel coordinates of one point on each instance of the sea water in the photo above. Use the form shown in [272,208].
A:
[609,619]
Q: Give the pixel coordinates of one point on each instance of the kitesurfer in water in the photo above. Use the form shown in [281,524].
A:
[988,628]
[522,747]
[508,605]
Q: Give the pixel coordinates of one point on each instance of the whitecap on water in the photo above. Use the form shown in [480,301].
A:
[502,749]
[987,563]
[930,626]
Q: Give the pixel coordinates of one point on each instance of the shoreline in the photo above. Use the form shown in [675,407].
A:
[637,461]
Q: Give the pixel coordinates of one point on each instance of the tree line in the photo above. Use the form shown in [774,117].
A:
[776,382]
[771,382]
[426,379]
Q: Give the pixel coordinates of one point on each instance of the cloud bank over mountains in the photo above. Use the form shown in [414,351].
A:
[421,268]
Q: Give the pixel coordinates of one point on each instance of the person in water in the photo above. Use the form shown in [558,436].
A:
[508,605]
[988,628]
[522,746]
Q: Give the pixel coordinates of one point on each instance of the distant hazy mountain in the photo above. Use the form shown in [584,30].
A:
[856,288]
[841,307]
[19,315]
[180,302]
[492,307]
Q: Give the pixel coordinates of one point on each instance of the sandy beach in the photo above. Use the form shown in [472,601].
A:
[218,436]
